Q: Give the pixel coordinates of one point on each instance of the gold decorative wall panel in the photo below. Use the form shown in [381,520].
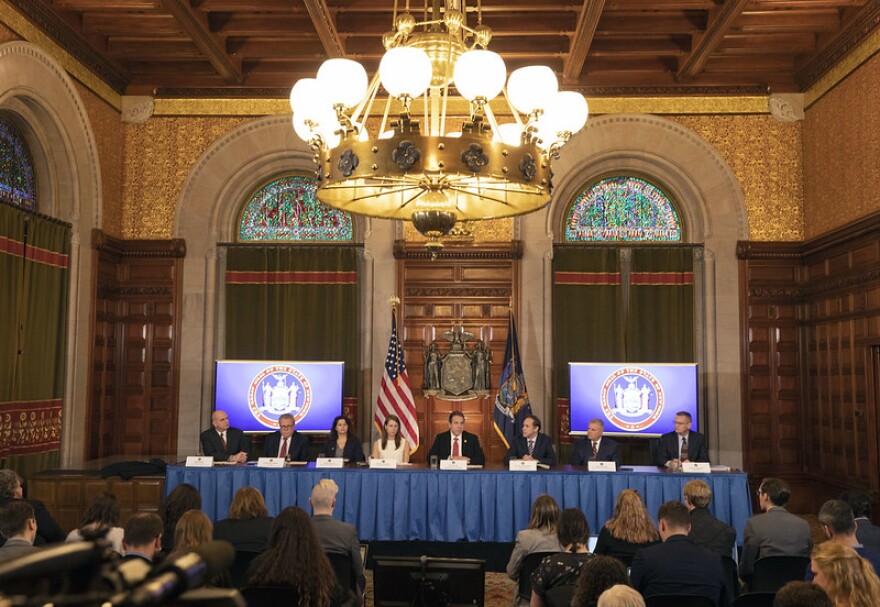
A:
[766,157]
[841,152]
[159,155]
[491,230]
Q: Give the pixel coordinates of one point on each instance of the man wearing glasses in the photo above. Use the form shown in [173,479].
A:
[286,442]
[682,445]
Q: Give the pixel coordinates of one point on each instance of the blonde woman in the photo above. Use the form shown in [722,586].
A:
[248,524]
[629,530]
[621,596]
[847,578]
[194,529]
[391,445]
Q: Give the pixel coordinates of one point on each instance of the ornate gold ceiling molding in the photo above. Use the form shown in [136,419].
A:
[844,68]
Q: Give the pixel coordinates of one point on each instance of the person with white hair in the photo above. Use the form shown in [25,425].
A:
[621,596]
[336,537]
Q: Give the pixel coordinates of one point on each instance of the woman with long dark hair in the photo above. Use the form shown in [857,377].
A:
[183,498]
[392,445]
[562,569]
[343,443]
[100,520]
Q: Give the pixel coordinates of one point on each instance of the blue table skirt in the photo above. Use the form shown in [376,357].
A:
[447,506]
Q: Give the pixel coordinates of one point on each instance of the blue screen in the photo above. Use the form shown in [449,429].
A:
[254,393]
[632,398]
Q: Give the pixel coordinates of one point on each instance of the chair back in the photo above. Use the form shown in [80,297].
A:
[771,573]
[526,568]
[731,577]
[343,566]
[755,599]
[276,596]
[678,600]
[559,596]
[240,565]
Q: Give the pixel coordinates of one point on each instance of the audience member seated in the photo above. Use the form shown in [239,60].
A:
[48,531]
[595,448]
[101,520]
[678,565]
[682,445]
[391,445]
[458,444]
[801,594]
[867,532]
[540,536]
[248,524]
[295,560]
[18,524]
[706,530]
[562,569]
[286,442]
[836,519]
[848,579]
[335,536]
[598,575]
[342,443]
[621,596]
[194,529]
[223,443]
[142,538]
[629,530]
[776,532]
[183,498]
[532,445]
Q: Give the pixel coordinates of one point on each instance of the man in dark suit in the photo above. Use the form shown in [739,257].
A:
[287,442]
[223,443]
[532,445]
[678,565]
[11,490]
[594,448]
[682,445]
[839,525]
[142,536]
[19,525]
[706,530]
[776,532]
[867,532]
[458,444]
[336,536]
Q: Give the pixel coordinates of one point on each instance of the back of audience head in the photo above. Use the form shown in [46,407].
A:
[801,594]
[837,518]
[620,595]
[631,522]
[574,530]
[697,493]
[674,519]
[323,496]
[193,529]
[847,578]
[545,514]
[103,512]
[859,502]
[597,575]
[142,529]
[10,484]
[776,490]
[182,498]
[247,504]
[14,518]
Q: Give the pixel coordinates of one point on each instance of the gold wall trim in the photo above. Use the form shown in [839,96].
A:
[29,32]
[220,107]
[843,68]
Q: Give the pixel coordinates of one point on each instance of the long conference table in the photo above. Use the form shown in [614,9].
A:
[487,505]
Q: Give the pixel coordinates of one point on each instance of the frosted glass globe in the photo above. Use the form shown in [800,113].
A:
[405,71]
[479,73]
[308,96]
[510,133]
[324,124]
[344,82]
[566,112]
[531,88]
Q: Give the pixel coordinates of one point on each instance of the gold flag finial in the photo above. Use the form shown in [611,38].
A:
[394,301]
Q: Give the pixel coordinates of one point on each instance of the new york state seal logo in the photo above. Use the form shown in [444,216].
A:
[632,398]
[276,390]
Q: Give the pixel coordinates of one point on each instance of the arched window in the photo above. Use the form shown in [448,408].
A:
[18,185]
[286,209]
[622,209]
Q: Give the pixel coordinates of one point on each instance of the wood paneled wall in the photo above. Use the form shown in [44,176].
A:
[811,355]
[133,387]
[470,286]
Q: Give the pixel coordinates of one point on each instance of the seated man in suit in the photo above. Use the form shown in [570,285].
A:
[867,532]
[223,443]
[11,490]
[839,525]
[594,448]
[776,532]
[682,445]
[458,444]
[142,536]
[706,530]
[287,442]
[532,444]
[677,566]
[336,536]
[18,524]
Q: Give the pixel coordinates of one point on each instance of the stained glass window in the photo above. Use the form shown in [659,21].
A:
[625,209]
[287,209]
[18,184]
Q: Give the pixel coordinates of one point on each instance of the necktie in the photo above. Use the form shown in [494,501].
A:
[223,440]
[455,450]
[595,449]
[283,451]
[684,448]
[531,447]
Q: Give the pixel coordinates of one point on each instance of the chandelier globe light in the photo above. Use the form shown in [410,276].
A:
[419,168]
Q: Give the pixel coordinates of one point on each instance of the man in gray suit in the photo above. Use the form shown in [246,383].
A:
[336,537]
[18,524]
[776,532]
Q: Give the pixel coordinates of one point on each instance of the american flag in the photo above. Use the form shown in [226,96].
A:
[395,395]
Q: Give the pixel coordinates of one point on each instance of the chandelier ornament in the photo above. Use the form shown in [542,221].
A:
[418,170]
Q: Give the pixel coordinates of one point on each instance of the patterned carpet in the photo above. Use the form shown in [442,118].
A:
[499,590]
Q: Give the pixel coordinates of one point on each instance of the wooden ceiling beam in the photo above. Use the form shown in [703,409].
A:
[323,23]
[582,39]
[195,23]
[244,24]
[708,41]
[106,5]
[269,6]
[129,24]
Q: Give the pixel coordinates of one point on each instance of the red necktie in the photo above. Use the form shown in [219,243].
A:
[455,450]
[595,449]
[283,452]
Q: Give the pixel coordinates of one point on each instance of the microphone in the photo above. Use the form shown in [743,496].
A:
[185,573]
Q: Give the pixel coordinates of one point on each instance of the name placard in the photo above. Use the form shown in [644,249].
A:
[696,468]
[601,466]
[270,462]
[524,465]
[381,462]
[329,462]
[199,461]
[453,464]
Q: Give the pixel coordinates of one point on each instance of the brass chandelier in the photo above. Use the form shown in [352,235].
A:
[418,170]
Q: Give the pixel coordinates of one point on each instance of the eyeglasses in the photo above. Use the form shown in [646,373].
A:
[287,425]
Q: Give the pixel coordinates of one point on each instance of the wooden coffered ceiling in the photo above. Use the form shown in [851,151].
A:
[259,48]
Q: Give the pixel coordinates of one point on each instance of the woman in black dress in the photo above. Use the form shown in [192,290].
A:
[561,570]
